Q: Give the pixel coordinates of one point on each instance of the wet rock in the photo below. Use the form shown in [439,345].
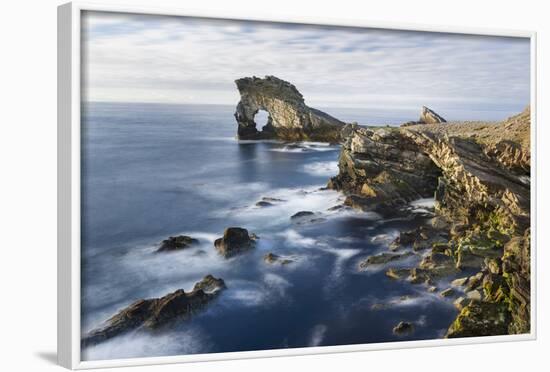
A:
[155,312]
[449,292]
[432,289]
[396,273]
[272,258]
[403,328]
[419,276]
[474,281]
[235,240]
[263,204]
[272,200]
[493,265]
[438,264]
[301,214]
[175,243]
[383,258]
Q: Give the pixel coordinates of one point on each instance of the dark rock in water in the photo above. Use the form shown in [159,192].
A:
[336,207]
[272,258]
[383,258]
[155,312]
[301,214]
[449,292]
[403,328]
[289,117]
[175,243]
[263,204]
[235,240]
[272,200]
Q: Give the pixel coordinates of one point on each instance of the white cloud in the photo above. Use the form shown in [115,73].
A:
[186,60]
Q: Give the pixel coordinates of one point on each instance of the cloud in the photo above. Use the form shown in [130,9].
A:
[147,58]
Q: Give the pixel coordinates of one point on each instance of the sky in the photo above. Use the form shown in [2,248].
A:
[162,59]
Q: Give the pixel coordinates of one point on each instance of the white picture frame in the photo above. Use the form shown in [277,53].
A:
[69,101]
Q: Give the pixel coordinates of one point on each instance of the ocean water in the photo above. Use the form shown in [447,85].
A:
[153,171]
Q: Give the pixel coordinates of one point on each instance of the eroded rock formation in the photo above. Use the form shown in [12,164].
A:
[235,240]
[427,116]
[480,176]
[155,312]
[289,117]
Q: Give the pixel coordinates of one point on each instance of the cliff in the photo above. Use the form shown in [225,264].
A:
[289,117]
[479,174]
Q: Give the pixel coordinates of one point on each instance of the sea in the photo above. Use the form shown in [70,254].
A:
[150,171]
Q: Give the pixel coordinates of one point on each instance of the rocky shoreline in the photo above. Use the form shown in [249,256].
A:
[478,239]
[479,174]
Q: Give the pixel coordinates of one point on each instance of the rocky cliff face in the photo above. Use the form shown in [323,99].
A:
[289,117]
[479,174]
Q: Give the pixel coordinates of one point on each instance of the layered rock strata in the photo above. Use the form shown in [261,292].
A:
[289,117]
[479,174]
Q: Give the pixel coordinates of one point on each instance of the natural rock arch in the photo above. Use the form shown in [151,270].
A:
[289,117]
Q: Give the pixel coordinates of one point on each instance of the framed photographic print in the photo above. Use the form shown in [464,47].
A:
[238,186]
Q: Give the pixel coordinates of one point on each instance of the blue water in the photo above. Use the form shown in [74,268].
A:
[153,171]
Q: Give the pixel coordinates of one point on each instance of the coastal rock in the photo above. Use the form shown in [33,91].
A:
[480,319]
[155,312]
[289,117]
[263,204]
[449,292]
[403,328]
[479,174]
[174,243]
[235,240]
[396,273]
[301,215]
[272,258]
[383,258]
[428,116]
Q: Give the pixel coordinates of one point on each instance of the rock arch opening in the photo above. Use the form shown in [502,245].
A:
[262,119]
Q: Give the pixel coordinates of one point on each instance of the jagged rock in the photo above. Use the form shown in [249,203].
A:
[403,328]
[155,312]
[174,243]
[383,258]
[480,319]
[474,295]
[429,116]
[289,117]
[474,281]
[419,276]
[395,273]
[461,302]
[234,241]
[449,292]
[438,264]
[272,258]
[459,282]
[432,289]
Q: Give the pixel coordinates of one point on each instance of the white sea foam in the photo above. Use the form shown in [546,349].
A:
[322,168]
[423,203]
[303,147]
[141,343]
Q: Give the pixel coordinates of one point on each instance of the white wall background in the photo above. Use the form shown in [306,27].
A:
[28,182]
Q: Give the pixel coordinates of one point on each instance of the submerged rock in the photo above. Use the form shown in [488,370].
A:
[383,258]
[301,214]
[272,258]
[155,312]
[449,292]
[174,243]
[289,117]
[403,328]
[263,203]
[235,240]
[396,273]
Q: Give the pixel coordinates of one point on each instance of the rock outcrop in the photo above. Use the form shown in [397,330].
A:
[235,240]
[289,117]
[427,116]
[175,243]
[155,312]
[479,174]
